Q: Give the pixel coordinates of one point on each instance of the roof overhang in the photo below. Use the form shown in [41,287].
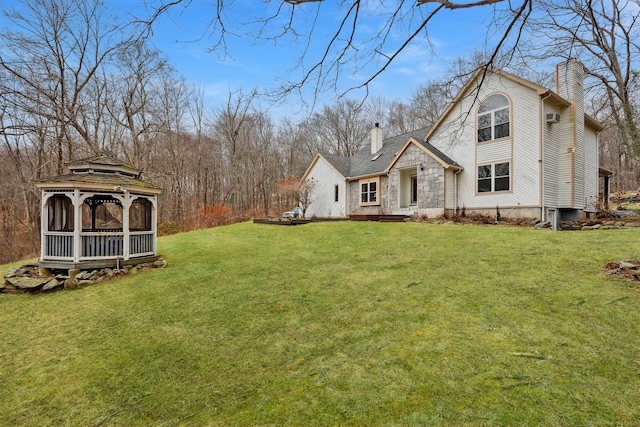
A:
[313,163]
[100,188]
[604,172]
[444,164]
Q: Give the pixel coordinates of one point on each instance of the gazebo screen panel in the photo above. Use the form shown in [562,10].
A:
[102,213]
[59,213]
[140,215]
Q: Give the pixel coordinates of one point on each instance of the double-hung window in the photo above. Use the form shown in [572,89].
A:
[494,177]
[369,192]
[493,118]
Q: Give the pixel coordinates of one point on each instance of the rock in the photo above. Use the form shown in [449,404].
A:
[591,227]
[541,225]
[18,271]
[73,272]
[71,283]
[161,263]
[2,286]
[45,272]
[52,284]
[625,264]
[27,283]
[84,275]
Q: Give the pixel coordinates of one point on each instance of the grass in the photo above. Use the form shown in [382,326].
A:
[337,324]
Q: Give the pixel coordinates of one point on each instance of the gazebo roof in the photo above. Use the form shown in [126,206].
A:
[102,172]
[104,162]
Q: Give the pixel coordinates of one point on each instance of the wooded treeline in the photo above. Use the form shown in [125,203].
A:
[75,80]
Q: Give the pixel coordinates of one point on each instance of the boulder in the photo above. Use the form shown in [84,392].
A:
[625,264]
[71,283]
[84,275]
[52,284]
[28,283]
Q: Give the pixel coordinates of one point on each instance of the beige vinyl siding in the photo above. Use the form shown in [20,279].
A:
[521,149]
[552,162]
[450,189]
[579,160]
[591,173]
[489,152]
[564,154]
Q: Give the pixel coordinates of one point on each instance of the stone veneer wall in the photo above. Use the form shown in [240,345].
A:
[430,180]
[354,198]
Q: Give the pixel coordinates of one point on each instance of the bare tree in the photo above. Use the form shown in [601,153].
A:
[330,55]
[52,56]
[135,91]
[339,129]
[305,195]
[605,36]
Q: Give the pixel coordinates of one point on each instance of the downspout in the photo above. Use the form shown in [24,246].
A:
[543,216]
[455,190]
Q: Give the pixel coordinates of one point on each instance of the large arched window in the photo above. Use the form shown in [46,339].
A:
[493,118]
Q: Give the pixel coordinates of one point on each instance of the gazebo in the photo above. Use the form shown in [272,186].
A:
[99,215]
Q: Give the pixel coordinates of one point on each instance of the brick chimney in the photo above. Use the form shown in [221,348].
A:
[377,135]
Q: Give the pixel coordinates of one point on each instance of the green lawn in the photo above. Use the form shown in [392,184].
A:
[337,324]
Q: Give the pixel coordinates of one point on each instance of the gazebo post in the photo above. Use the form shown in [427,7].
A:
[126,204]
[77,224]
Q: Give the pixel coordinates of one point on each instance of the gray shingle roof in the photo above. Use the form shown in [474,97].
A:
[340,163]
[103,158]
[363,163]
[97,178]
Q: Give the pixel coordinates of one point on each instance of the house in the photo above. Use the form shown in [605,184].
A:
[504,142]
[101,214]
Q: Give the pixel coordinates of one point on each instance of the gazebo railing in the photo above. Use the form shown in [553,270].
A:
[101,245]
[141,243]
[58,245]
[98,245]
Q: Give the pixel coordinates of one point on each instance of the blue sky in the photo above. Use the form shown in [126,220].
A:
[251,63]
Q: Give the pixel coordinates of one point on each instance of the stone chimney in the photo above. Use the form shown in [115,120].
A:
[377,135]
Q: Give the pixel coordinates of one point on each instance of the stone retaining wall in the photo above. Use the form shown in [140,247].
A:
[31,278]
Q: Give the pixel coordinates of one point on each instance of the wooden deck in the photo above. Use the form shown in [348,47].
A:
[281,221]
[380,218]
[369,217]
